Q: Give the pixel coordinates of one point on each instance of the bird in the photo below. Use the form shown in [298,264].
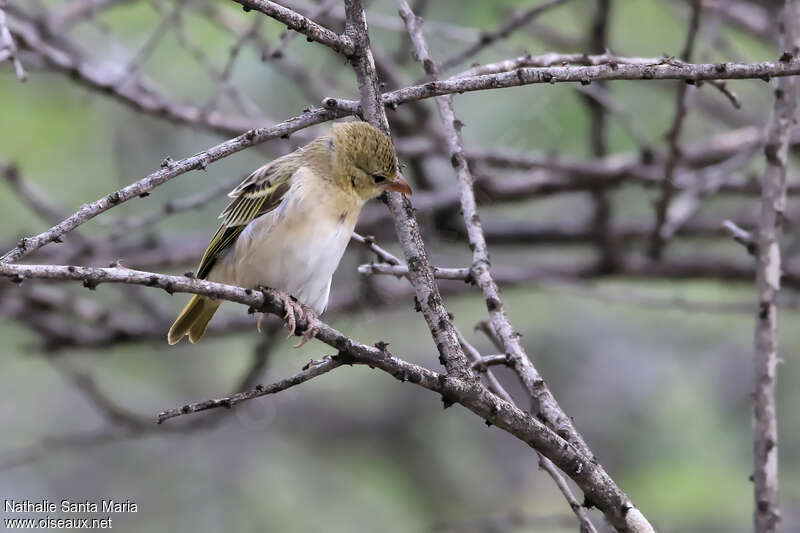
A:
[289,222]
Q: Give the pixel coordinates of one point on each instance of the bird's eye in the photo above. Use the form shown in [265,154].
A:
[378,179]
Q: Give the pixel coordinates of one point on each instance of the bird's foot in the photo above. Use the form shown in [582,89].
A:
[312,326]
[294,312]
[293,309]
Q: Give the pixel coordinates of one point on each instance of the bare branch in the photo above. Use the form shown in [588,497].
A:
[550,59]
[309,372]
[462,274]
[665,70]
[742,236]
[482,364]
[382,254]
[586,525]
[768,281]
[8,48]
[313,31]
[544,402]
[589,476]
[421,274]
[722,87]
[287,37]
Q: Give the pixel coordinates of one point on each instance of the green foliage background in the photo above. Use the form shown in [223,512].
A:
[662,396]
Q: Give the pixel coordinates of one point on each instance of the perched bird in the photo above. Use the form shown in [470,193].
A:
[290,221]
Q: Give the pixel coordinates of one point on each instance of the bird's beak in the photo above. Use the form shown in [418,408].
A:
[399,185]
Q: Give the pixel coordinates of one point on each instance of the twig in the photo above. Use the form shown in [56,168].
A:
[287,37]
[313,31]
[369,242]
[742,236]
[220,78]
[707,182]
[722,87]
[8,48]
[171,207]
[514,22]
[482,364]
[659,237]
[311,371]
[402,271]
[547,465]
[708,267]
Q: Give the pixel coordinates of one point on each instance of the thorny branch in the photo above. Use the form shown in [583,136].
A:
[544,403]
[299,23]
[421,275]
[589,476]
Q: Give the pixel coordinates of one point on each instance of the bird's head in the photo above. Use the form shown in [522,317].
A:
[364,159]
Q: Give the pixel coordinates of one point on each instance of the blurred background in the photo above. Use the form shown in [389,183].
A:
[652,358]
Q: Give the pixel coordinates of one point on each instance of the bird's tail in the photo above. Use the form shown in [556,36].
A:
[193,320]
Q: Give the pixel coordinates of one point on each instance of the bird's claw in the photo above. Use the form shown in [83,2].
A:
[312,327]
[294,312]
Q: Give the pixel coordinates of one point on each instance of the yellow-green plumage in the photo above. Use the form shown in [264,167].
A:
[193,320]
[290,220]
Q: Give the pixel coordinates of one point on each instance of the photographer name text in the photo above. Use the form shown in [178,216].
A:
[68,506]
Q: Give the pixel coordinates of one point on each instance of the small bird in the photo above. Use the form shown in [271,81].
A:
[290,221]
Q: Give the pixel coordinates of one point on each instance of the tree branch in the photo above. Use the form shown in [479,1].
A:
[544,402]
[665,70]
[313,31]
[768,281]
[428,297]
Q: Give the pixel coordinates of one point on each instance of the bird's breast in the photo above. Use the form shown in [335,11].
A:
[297,247]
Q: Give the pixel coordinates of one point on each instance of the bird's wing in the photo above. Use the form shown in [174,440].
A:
[259,193]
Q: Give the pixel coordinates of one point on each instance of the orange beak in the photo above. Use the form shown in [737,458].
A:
[399,185]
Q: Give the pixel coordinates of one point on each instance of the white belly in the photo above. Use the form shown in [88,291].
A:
[291,250]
